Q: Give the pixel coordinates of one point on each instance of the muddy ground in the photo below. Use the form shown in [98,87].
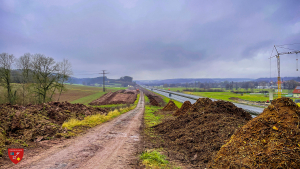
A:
[114,144]
[118,97]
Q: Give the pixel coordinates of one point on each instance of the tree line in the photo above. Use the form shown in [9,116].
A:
[38,78]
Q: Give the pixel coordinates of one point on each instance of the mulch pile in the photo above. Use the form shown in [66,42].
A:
[183,109]
[195,137]
[271,140]
[171,106]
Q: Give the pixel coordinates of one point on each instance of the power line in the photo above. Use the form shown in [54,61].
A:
[288,44]
[103,79]
[285,48]
[86,74]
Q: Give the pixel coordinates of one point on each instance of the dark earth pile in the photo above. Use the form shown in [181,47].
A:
[118,97]
[195,137]
[38,122]
[170,106]
[228,107]
[103,100]
[153,101]
[271,140]
[183,109]
[200,104]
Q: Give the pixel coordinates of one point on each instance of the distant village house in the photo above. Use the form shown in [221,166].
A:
[296,92]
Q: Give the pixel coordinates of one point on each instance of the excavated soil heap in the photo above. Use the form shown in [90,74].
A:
[170,106]
[199,104]
[153,102]
[22,126]
[118,97]
[183,109]
[271,140]
[196,136]
[28,123]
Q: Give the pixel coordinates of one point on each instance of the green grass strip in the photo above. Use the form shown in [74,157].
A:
[111,105]
[150,118]
[146,99]
[154,159]
[87,99]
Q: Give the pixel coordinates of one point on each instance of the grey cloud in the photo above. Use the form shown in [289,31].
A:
[144,36]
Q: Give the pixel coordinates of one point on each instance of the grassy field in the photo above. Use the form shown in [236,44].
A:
[72,93]
[180,89]
[84,94]
[87,99]
[227,95]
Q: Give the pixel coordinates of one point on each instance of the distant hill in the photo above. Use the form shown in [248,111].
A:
[124,81]
[210,80]
[274,79]
[192,80]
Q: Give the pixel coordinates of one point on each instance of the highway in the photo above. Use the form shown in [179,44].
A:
[182,97]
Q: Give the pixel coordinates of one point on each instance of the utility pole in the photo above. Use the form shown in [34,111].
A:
[103,79]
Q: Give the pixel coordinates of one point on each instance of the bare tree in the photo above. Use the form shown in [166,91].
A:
[24,64]
[6,62]
[65,70]
[46,76]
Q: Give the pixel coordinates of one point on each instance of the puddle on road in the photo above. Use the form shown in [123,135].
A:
[135,137]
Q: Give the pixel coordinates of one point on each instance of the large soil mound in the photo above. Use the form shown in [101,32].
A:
[271,140]
[37,122]
[183,109]
[196,136]
[155,100]
[171,106]
[118,97]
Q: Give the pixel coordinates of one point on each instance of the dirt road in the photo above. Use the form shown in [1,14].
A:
[111,145]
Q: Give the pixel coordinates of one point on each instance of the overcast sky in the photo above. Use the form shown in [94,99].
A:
[156,39]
